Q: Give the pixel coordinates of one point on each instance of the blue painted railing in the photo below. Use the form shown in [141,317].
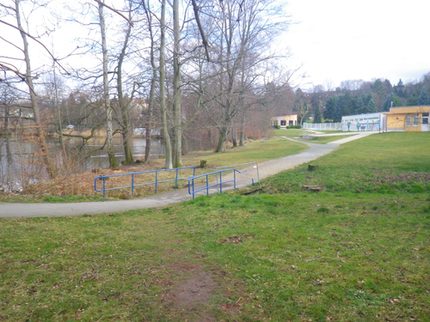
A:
[101,186]
[218,181]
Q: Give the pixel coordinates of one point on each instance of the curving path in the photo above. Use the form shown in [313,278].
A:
[266,169]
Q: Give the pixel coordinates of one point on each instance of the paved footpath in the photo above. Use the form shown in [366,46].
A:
[266,169]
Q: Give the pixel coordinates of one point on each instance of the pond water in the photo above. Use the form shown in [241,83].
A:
[20,163]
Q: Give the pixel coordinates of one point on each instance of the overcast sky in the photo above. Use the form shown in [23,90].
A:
[339,40]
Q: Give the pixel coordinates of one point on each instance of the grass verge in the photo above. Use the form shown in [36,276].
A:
[260,150]
[325,139]
[291,133]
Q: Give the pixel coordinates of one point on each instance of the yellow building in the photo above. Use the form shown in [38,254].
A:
[408,118]
[284,120]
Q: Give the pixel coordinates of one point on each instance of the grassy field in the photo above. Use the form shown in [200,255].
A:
[260,150]
[306,136]
[357,250]
[291,133]
[391,162]
[324,139]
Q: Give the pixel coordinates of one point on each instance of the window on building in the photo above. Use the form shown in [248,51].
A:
[425,119]
[408,120]
[283,123]
[416,119]
[290,123]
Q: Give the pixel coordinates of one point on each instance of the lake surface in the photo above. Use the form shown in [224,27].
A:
[20,162]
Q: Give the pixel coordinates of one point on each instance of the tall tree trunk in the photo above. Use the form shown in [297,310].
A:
[242,99]
[148,139]
[41,135]
[166,135]
[242,130]
[151,103]
[234,136]
[222,137]
[177,93]
[124,103]
[106,101]
[59,116]
[9,159]
[228,69]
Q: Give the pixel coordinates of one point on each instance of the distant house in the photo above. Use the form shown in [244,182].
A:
[408,118]
[284,120]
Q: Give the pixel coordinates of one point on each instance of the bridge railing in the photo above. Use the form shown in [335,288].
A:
[130,180]
[216,180]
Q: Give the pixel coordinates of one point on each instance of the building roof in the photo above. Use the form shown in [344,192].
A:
[285,115]
[409,109]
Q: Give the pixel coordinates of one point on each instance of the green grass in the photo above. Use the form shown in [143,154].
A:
[289,132]
[260,150]
[383,163]
[48,198]
[331,131]
[301,133]
[356,251]
[325,139]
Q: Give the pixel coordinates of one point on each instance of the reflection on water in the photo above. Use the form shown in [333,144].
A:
[97,157]
[20,163]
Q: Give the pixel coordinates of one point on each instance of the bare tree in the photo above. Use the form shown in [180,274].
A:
[177,92]
[162,80]
[28,78]
[124,102]
[243,34]
[153,82]
[106,100]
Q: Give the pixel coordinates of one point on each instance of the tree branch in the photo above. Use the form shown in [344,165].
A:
[38,41]
[115,11]
[199,25]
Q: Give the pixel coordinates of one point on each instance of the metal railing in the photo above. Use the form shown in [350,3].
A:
[218,181]
[247,170]
[100,182]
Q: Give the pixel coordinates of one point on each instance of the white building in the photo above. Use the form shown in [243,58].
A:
[363,122]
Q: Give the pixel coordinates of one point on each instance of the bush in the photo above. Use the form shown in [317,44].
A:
[294,127]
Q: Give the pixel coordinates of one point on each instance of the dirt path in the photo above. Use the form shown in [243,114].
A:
[265,169]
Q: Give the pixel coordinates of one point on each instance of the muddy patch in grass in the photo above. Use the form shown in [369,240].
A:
[237,239]
[192,292]
[406,177]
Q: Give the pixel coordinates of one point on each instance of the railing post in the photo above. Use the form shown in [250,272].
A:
[156,181]
[188,186]
[207,185]
[132,183]
[258,172]
[193,188]
[95,183]
[220,182]
[234,178]
[194,171]
[104,186]
[176,178]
